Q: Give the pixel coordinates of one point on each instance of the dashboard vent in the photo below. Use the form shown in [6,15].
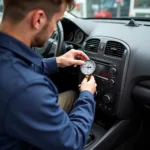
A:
[92,45]
[115,49]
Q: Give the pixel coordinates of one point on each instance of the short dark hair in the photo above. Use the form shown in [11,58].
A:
[16,10]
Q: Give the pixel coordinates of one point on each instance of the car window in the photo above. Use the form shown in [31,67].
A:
[112,8]
[1,6]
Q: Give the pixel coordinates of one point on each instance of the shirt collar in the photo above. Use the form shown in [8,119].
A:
[19,48]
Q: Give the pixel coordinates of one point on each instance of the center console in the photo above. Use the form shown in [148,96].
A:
[111,57]
[107,81]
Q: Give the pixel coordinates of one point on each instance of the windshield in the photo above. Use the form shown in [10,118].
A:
[1,6]
[1,9]
[108,8]
[112,8]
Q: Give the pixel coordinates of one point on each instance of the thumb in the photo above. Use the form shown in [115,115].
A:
[78,62]
[92,79]
[84,80]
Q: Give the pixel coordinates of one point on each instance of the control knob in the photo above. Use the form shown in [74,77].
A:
[107,98]
[113,70]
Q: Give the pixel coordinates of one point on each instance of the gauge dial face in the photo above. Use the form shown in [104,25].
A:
[88,68]
[79,36]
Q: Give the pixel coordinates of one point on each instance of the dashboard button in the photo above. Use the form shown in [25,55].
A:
[109,108]
[114,71]
[107,98]
[111,81]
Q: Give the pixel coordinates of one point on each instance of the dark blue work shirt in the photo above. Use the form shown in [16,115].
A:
[29,111]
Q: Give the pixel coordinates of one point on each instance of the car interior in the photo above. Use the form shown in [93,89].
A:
[120,49]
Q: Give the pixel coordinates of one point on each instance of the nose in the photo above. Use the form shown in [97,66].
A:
[55,29]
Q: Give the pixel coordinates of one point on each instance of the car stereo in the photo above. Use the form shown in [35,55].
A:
[105,71]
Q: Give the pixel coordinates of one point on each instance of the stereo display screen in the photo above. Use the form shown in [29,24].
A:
[102,71]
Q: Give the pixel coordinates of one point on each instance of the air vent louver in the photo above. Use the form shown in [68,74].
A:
[92,45]
[114,49]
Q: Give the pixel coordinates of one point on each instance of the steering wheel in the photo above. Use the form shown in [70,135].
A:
[54,45]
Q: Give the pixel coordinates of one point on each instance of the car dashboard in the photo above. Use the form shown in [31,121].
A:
[121,53]
[120,49]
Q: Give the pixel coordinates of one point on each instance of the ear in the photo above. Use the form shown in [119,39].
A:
[39,19]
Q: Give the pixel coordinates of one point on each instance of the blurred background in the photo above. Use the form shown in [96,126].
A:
[112,8]
[108,8]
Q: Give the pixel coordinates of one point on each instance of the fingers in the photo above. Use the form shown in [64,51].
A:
[92,79]
[80,55]
[77,62]
[89,85]
[84,80]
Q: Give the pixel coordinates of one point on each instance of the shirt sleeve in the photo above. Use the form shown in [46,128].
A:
[50,66]
[35,117]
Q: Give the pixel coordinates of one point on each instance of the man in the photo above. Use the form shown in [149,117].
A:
[30,115]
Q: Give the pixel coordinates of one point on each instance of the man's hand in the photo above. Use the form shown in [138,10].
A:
[88,85]
[73,57]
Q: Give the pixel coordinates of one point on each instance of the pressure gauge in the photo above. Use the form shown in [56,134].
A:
[88,68]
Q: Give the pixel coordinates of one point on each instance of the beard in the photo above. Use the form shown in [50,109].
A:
[41,38]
